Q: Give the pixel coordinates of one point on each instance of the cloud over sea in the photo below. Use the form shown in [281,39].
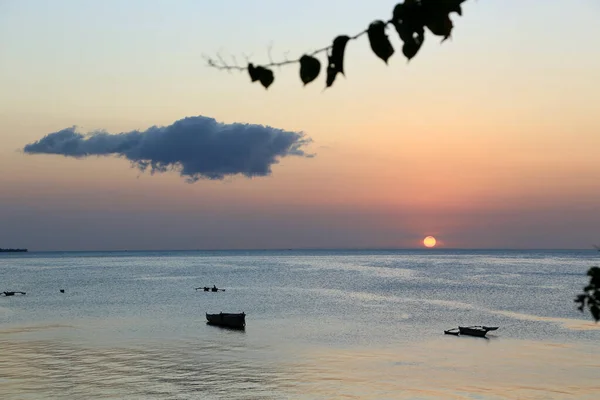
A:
[196,147]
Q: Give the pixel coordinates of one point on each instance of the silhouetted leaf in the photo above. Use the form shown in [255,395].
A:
[408,20]
[380,43]
[254,73]
[263,75]
[403,31]
[336,58]
[266,77]
[440,25]
[443,6]
[411,47]
[398,16]
[454,6]
[337,52]
[309,68]
[331,74]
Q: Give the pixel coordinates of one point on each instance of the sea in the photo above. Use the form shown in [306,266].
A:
[320,324]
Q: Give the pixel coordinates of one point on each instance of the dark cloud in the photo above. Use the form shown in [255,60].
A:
[196,147]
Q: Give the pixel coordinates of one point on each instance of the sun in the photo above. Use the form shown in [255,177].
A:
[429,241]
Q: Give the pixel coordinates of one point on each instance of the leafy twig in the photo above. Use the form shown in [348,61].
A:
[410,18]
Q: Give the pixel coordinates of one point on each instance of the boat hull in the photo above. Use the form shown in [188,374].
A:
[227,320]
[472,331]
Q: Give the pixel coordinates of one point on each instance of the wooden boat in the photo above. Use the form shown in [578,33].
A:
[227,320]
[475,330]
[12,293]
[472,331]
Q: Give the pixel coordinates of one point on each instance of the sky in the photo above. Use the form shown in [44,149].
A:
[489,140]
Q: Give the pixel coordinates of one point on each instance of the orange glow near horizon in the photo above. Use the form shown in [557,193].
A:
[470,141]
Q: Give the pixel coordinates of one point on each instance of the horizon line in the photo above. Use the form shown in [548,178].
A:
[315,249]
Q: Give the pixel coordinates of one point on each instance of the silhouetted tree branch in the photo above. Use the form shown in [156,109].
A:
[410,18]
[591,294]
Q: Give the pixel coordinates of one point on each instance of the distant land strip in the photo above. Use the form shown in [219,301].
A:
[13,250]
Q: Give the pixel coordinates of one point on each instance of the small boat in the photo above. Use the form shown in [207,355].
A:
[12,293]
[208,289]
[227,320]
[475,330]
[472,331]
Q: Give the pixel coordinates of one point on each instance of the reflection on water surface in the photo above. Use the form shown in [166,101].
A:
[228,367]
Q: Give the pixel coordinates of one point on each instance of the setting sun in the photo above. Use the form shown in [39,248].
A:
[429,241]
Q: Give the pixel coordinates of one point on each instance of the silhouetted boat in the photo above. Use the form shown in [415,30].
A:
[12,293]
[476,330]
[472,331]
[208,289]
[227,320]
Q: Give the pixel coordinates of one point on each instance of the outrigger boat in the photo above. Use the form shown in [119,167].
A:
[208,289]
[476,330]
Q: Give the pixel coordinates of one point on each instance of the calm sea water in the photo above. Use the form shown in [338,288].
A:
[320,324]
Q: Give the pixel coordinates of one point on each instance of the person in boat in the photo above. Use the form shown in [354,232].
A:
[214,288]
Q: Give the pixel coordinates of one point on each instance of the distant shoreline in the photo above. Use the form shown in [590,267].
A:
[13,250]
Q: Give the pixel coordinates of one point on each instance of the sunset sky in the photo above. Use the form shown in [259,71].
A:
[489,140]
